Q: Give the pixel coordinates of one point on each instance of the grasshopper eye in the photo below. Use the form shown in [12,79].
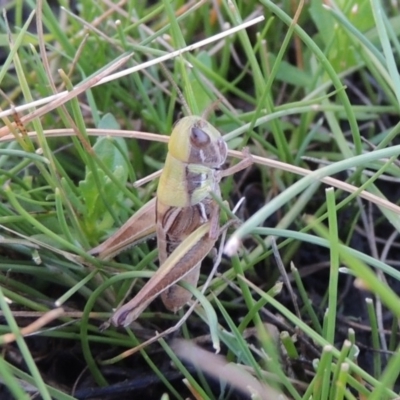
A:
[199,138]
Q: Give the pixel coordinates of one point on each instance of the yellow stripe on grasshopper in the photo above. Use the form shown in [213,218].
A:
[195,151]
[174,188]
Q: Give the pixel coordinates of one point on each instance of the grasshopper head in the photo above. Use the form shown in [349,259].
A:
[195,141]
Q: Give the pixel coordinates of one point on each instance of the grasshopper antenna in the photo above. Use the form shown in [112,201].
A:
[211,108]
[176,87]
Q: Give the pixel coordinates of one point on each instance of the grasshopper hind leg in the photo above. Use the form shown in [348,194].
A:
[175,297]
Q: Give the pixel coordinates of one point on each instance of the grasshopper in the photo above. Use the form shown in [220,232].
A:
[184,216]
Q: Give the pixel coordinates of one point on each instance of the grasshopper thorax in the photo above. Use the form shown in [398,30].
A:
[195,141]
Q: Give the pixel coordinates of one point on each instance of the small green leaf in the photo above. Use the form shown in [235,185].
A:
[113,153]
[108,148]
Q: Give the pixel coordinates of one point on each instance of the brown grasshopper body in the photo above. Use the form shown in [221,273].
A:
[184,215]
[205,153]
